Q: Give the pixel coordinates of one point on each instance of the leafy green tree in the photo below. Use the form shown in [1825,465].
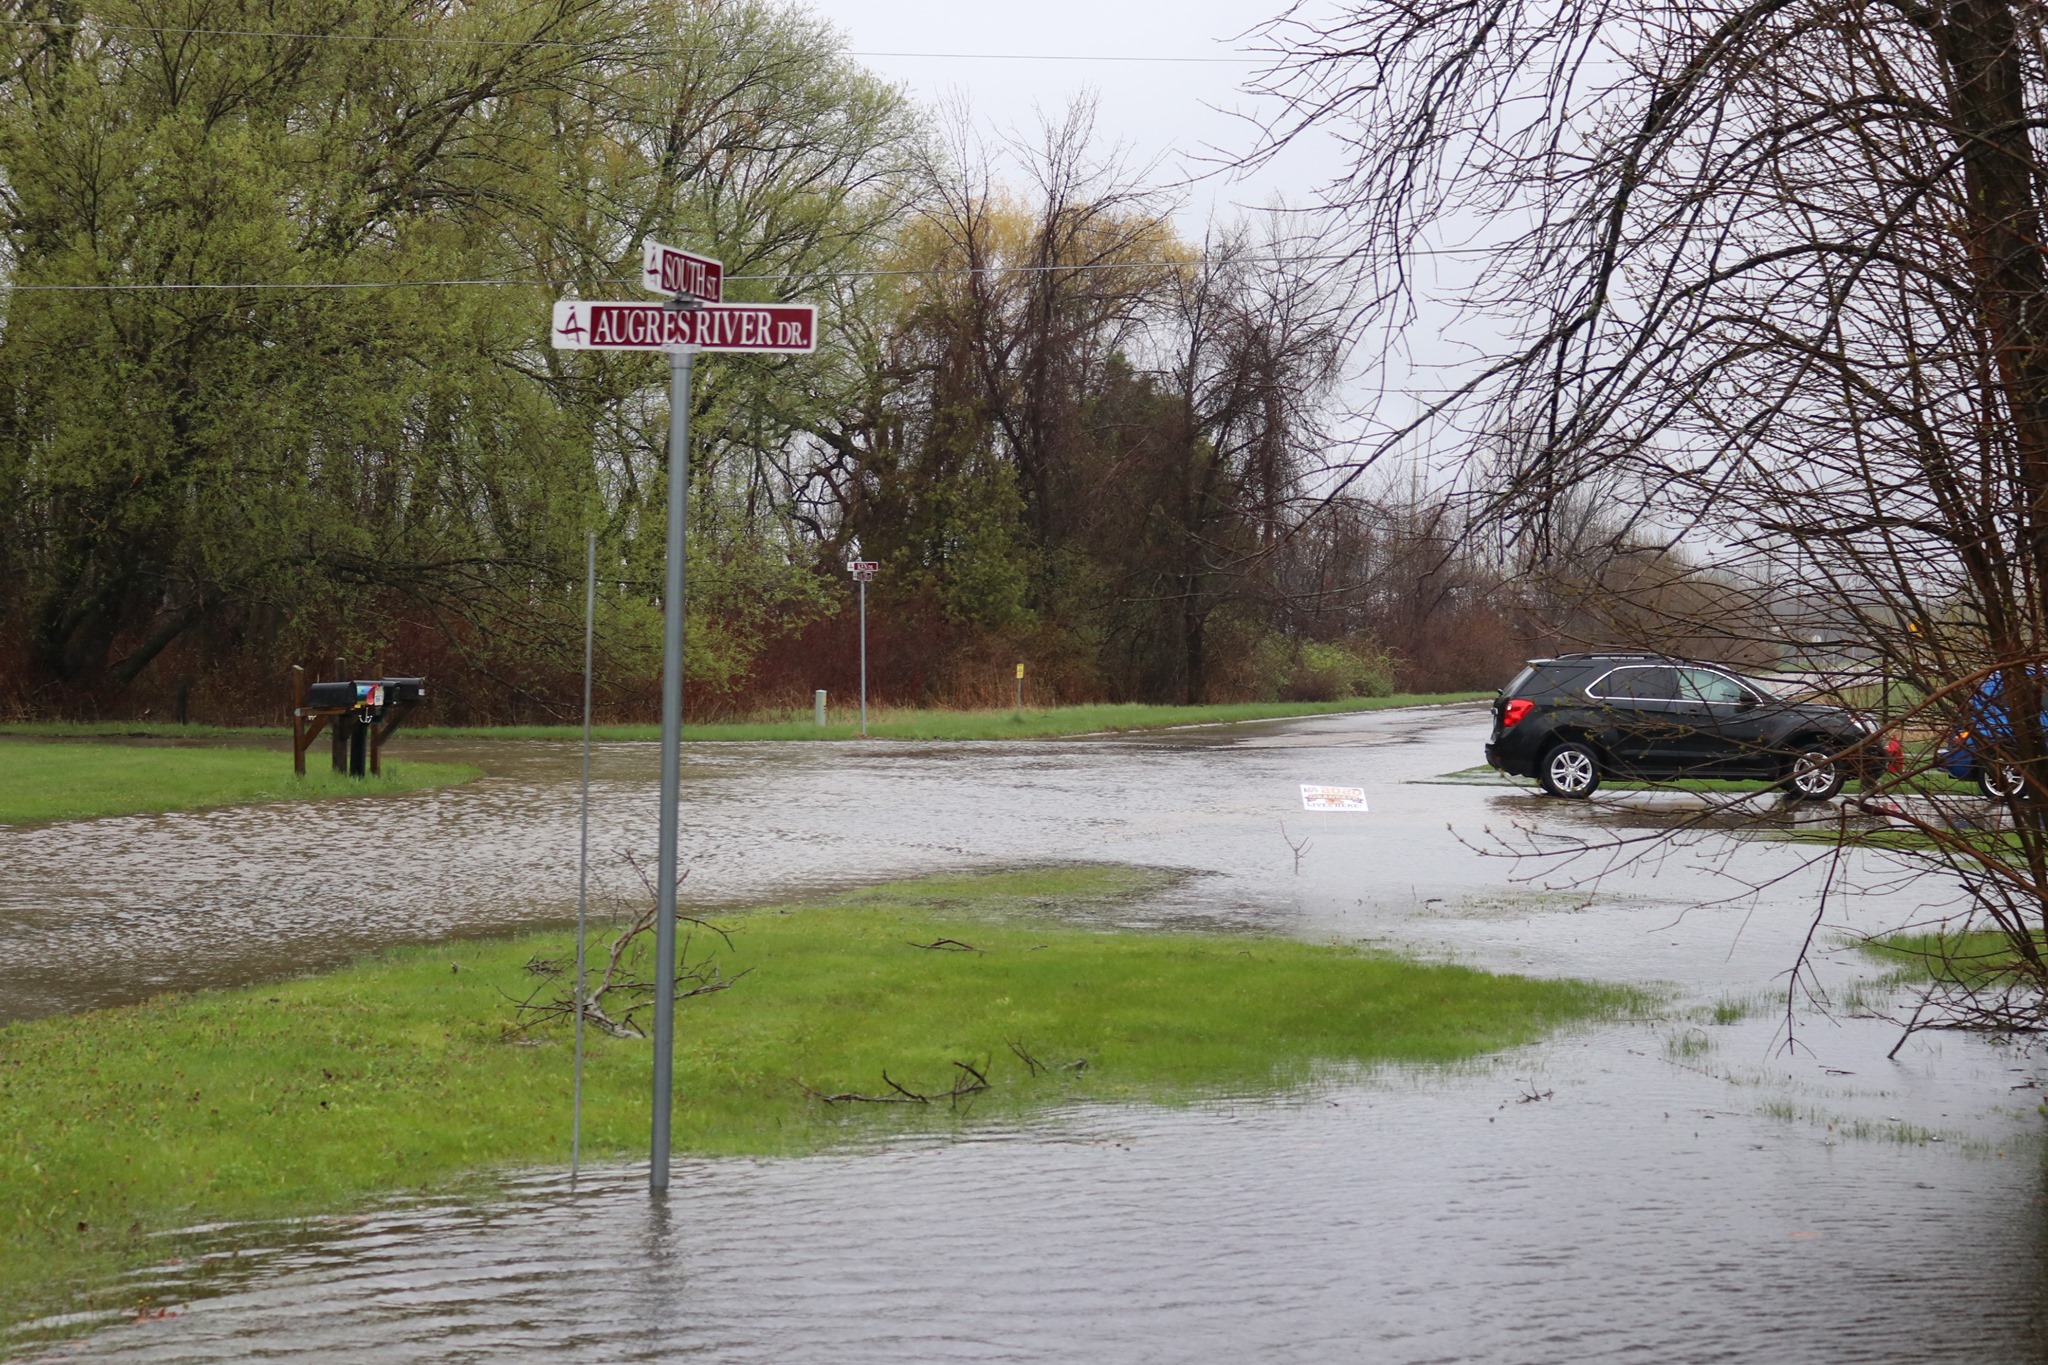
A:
[205,426]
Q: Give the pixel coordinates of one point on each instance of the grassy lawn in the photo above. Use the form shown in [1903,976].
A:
[405,1071]
[889,723]
[40,782]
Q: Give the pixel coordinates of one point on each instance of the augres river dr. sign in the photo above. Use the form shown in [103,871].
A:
[582,325]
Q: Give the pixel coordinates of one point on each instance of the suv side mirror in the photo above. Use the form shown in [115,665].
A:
[1746,703]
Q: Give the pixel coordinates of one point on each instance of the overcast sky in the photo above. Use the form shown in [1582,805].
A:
[1175,111]
[1172,110]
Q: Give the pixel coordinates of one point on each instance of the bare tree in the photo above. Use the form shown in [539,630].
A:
[1771,274]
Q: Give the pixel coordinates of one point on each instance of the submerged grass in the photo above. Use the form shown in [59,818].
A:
[42,782]
[402,1072]
[1973,957]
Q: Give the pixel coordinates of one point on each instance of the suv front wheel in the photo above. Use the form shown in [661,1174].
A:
[1570,770]
[1814,776]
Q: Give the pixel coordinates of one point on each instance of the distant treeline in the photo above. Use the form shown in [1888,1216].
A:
[274,385]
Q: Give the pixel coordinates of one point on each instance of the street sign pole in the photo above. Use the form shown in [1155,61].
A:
[583,853]
[693,318]
[680,364]
[862,570]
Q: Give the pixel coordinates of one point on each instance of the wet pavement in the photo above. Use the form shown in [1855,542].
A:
[1675,1189]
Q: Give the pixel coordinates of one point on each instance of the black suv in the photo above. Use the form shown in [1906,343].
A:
[1569,721]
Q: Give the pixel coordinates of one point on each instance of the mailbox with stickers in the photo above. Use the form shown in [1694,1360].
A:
[359,713]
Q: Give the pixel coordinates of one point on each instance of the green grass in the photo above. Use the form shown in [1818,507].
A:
[883,723]
[137,729]
[42,782]
[1974,957]
[403,1072]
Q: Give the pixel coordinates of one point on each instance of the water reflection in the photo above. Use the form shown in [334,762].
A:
[1642,1211]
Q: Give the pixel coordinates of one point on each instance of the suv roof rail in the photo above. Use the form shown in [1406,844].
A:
[1610,654]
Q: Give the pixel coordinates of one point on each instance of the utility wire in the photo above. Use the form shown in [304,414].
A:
[939,270]
[430,40]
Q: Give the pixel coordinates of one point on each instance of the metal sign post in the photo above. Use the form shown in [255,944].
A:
[863,570]
[679,367]
[693,319]
[583,854]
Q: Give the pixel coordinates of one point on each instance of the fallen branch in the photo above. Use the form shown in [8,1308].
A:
[622,992]
[972,1081]
[949,945]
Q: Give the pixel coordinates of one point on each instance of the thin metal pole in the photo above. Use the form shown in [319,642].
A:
[583,851]
[671,765]
[863,658]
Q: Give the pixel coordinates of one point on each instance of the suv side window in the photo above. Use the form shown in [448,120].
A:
[1638,684]
[1705,685]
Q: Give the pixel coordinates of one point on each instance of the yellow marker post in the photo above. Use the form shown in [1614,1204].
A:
[1020,691]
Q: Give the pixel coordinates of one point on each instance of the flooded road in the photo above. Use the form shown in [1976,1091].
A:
[1676,1189]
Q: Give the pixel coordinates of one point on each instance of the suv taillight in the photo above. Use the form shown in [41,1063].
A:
[1518,708]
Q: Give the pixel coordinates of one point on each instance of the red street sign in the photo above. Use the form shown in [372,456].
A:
[667,270]
[863,569]
[582,325]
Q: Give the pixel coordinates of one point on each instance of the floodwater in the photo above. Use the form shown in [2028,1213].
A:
[1678,1189]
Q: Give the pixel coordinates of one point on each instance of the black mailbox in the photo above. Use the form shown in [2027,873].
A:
[326,694]
[355,706]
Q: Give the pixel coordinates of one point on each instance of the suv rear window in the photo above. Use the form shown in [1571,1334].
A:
[1638,684]
[1521,680]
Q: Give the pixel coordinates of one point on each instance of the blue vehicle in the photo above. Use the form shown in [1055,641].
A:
[1980,751]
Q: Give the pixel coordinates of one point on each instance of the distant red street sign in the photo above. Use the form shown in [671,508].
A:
[582,325]
[672,271]
[863,569]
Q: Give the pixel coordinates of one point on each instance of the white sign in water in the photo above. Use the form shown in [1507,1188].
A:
[1314,796]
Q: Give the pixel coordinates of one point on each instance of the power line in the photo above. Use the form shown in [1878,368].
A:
[501,283]
[443,40]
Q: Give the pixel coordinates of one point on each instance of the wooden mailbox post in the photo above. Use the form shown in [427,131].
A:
[362,712]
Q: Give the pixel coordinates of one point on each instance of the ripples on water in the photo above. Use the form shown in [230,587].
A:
[1640,1212]
[1649,1207]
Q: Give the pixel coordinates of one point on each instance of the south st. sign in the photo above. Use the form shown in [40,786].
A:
[581,325]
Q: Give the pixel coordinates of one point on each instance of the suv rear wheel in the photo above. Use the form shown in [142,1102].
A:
[2000,781]
[1814,776]
[1570,770]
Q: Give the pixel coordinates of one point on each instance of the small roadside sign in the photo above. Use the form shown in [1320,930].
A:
[670,271]
[596,325]
[863,569]
[1315,796]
